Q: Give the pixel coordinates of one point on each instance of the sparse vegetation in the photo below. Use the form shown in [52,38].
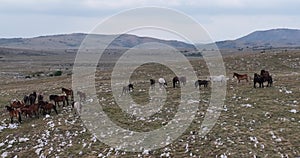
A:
[254,122]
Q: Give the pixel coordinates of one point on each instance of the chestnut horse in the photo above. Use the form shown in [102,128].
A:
[240,77]
[14,113]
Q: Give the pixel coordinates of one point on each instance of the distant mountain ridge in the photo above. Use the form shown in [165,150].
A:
[73,41]
[273,38]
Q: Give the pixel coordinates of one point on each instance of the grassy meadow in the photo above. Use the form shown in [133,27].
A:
[261,122]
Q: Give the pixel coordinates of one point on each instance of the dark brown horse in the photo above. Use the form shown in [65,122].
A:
[14,113]
[47,107]
[258,79]
[30,110]
[59,98]
[240,77]
[69,92]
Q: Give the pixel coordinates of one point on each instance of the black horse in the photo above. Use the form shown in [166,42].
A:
[176,81]
[152,83]
[260,79]
[201,82]
[26,100]
[32,98]
[40,98]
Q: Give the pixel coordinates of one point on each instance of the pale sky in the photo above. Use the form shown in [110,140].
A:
[223,19]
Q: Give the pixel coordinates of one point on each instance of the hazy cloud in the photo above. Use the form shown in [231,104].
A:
[222,18]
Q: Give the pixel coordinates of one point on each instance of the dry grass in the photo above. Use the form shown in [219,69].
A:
[254,122]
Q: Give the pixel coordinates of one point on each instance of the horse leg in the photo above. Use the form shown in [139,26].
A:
[11,119]
[66,101]
[19,117]
[54,107]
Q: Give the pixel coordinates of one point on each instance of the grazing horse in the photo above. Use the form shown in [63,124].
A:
[77,106]
[59,98]
[82,95]
[220,78]
[69,92]
[182,80]
[152,83]
[30,110]
[32,98]
[40,98]
[14,113]
[176,81]
[26,100]
[240,77]
[162,82]
[258,79]
[266,77]
[201,82]
[17,104]
[47,107]
[127,89]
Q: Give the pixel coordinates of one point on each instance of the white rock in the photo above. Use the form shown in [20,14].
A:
[293,111]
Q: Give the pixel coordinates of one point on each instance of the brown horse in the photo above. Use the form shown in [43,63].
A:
[240,77]
[30,110]
[17,104]
[47,107]
[69,92]
[59,98]
[14,113]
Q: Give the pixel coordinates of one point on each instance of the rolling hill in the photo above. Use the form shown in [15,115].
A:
[73,41]
[275,38]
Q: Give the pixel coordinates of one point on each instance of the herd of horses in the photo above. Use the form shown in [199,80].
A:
[264,76]
[34,105]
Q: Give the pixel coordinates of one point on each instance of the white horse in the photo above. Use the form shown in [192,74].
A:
[220,78]
[77,107]
[162,82]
